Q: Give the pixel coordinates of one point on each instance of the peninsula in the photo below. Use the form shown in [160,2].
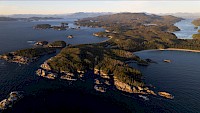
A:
[26,56]
[127,33]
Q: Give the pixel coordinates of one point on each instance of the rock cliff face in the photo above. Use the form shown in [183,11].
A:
[122,86]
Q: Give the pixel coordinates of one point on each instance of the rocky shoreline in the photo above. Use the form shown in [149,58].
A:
[12,99]
[102,82]
[177,49]
[18,57]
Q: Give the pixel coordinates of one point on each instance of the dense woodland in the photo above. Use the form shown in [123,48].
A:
[139,31]
[197,24]
[59,44]
[128,32]
[34,52]
[89,57]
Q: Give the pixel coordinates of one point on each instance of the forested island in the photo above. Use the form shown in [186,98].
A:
[29,55]
[63,26]
[128,32]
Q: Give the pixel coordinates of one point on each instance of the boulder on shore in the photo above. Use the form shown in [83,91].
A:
[70,36]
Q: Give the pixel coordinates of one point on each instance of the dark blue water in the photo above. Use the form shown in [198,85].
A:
[181,78]
[14,35]
[186,29]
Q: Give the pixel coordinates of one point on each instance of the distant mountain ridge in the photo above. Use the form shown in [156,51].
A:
[184,15]
[70,15]
[27,19]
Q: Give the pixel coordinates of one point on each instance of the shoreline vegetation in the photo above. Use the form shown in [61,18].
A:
[171,49]
[196,22]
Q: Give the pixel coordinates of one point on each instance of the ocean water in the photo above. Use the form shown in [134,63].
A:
[181,78]
[186,29]
[15,34]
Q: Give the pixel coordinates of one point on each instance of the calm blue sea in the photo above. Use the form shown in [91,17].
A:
[181,78]
[186,29]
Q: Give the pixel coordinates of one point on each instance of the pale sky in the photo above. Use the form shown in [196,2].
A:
[63,7]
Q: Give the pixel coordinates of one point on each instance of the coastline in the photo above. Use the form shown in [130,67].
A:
[170,49]
[177,49]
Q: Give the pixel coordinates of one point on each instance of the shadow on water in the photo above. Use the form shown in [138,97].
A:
[56,96]
[16,76]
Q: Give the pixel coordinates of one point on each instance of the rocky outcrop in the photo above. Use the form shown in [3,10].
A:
[80,73]
[51,75]
[101,73]
[167,60]
[69,76]
[41,43]
[166,95]
[107,31]
[95,34]
[123,86]
[96,71]
[133,89]
[100,88]
[46,66]
[97,81]
[8,102]
[70,36]
[46,74]
[17,59]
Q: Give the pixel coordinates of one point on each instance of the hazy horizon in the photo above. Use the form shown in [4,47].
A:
[68,7]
